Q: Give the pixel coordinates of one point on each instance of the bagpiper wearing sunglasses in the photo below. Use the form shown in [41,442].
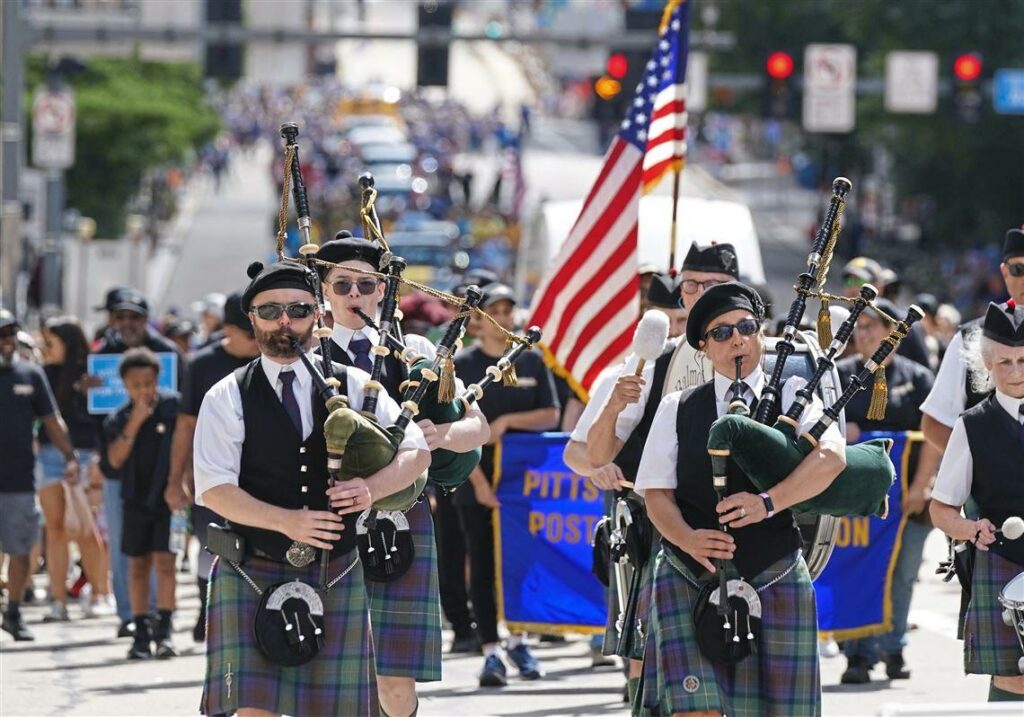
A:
[405,613]
[761,542]
[616,438]
[261,462]
[954,390]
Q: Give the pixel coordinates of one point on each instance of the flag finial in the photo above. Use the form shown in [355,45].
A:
[670,6]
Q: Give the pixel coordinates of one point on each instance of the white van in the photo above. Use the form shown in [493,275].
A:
[699,220]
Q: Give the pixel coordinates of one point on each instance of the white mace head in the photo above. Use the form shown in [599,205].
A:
[1013,527]
[651,335]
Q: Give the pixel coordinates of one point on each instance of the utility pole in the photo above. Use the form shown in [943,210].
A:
[11,136]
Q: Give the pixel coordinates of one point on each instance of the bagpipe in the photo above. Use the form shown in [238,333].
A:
[768,454]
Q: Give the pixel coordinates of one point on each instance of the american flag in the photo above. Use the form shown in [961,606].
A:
[587,304]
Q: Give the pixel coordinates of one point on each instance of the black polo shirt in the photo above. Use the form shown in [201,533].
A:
[25,396]
[207,366]
[535,389]
[909,385]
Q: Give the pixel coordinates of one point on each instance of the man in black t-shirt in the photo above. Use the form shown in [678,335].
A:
[25,397]
[207,366]
[530,405]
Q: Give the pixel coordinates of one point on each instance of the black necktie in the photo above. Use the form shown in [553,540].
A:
[360,348]
[291,404]
[1020,423]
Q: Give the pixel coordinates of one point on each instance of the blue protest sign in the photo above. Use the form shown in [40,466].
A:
[542,538]
[111,395]
[1008,92]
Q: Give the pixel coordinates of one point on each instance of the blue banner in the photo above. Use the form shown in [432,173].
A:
[854,591]
[111,395]
[542,535]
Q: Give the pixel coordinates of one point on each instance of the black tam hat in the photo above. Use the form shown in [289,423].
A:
[1004,323]
[280,275]
[717,300]
[664,292]
[345,247]
[718,258]
[1013,245]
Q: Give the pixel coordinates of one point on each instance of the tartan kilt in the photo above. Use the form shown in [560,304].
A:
[338,681]
[405,614]
[990,646]
[780,679]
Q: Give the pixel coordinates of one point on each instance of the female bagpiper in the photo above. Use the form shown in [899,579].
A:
[981,469]
[762,543]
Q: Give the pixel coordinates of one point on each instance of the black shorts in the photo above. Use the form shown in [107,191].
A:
[145,531]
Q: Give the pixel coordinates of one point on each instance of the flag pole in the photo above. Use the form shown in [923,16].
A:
[677,170]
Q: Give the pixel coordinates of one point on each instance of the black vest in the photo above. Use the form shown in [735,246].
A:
[973,397]
[998,482]
[391,377]
[758,545]
[628,459]
[278,467]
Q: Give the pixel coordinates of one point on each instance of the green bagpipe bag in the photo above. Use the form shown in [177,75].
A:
[448,469]
[365,448]
[767,454]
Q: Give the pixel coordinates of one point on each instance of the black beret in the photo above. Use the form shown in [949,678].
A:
[234,315]
[718,258]
[280,275]
[717,300]
[1013,245]
[345,247]
[664,292]
[1004,323]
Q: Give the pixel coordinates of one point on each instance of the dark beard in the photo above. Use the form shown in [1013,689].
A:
[279,343]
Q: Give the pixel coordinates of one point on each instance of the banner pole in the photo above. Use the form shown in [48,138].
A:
[675,215]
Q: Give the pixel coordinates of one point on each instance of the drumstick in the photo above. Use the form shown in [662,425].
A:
[640,367]
[626,484]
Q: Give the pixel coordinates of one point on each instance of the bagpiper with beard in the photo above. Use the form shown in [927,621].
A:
[260,461]
[781,677]
[981,469]
[405,613]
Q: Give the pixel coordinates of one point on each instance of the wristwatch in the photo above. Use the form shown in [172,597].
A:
[768,505]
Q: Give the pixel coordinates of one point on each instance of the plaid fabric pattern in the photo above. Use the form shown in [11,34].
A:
[990,646]
[405,615]
[781,679]
[338,681]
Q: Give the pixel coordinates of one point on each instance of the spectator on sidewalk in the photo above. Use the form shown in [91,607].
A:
[138,438]
[25,397]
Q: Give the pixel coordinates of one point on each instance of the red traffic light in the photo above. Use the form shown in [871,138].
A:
[967,67]
[779,65]
[618,65]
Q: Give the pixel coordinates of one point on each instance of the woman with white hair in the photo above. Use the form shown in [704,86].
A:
[981,473]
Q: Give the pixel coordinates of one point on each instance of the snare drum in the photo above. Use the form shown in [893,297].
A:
[689,368]
[1011,597]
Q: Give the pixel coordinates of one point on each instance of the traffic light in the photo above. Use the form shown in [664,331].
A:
[778,95]
[967,68]
[618,65]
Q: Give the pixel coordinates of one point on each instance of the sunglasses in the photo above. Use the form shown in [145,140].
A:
[365,286]
[1016,269]
[296,310]
[690,286]
[723,332]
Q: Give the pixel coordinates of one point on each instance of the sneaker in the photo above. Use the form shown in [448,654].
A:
[494,673]
[126,629]
[525,662]
[140,649]
[895,667]
[162,636]
[599,659]
[15,625]
[58,612]
[828,648]
[858,671]
[465,644]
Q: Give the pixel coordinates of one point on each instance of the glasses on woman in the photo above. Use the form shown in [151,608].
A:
[723,332]
[295,310]
[365,286]
[1016,269]
[690,286]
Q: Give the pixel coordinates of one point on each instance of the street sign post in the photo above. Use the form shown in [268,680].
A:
[1008,91]
[911,82]
[53,129]
[830,82]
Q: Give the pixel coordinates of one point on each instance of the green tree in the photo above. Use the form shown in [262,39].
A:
[132,116]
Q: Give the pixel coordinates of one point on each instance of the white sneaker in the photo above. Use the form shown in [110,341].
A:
[828,648]
[100,608]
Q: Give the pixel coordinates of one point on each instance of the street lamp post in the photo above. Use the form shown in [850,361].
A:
[134,224]
[85,229]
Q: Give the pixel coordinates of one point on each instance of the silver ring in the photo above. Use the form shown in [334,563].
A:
[743,512]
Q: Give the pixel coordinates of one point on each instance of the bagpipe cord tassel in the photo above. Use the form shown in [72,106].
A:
[879,396]
[508,376]
[824,324]
[446,383]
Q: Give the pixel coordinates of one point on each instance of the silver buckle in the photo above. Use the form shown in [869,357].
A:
[300,554]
